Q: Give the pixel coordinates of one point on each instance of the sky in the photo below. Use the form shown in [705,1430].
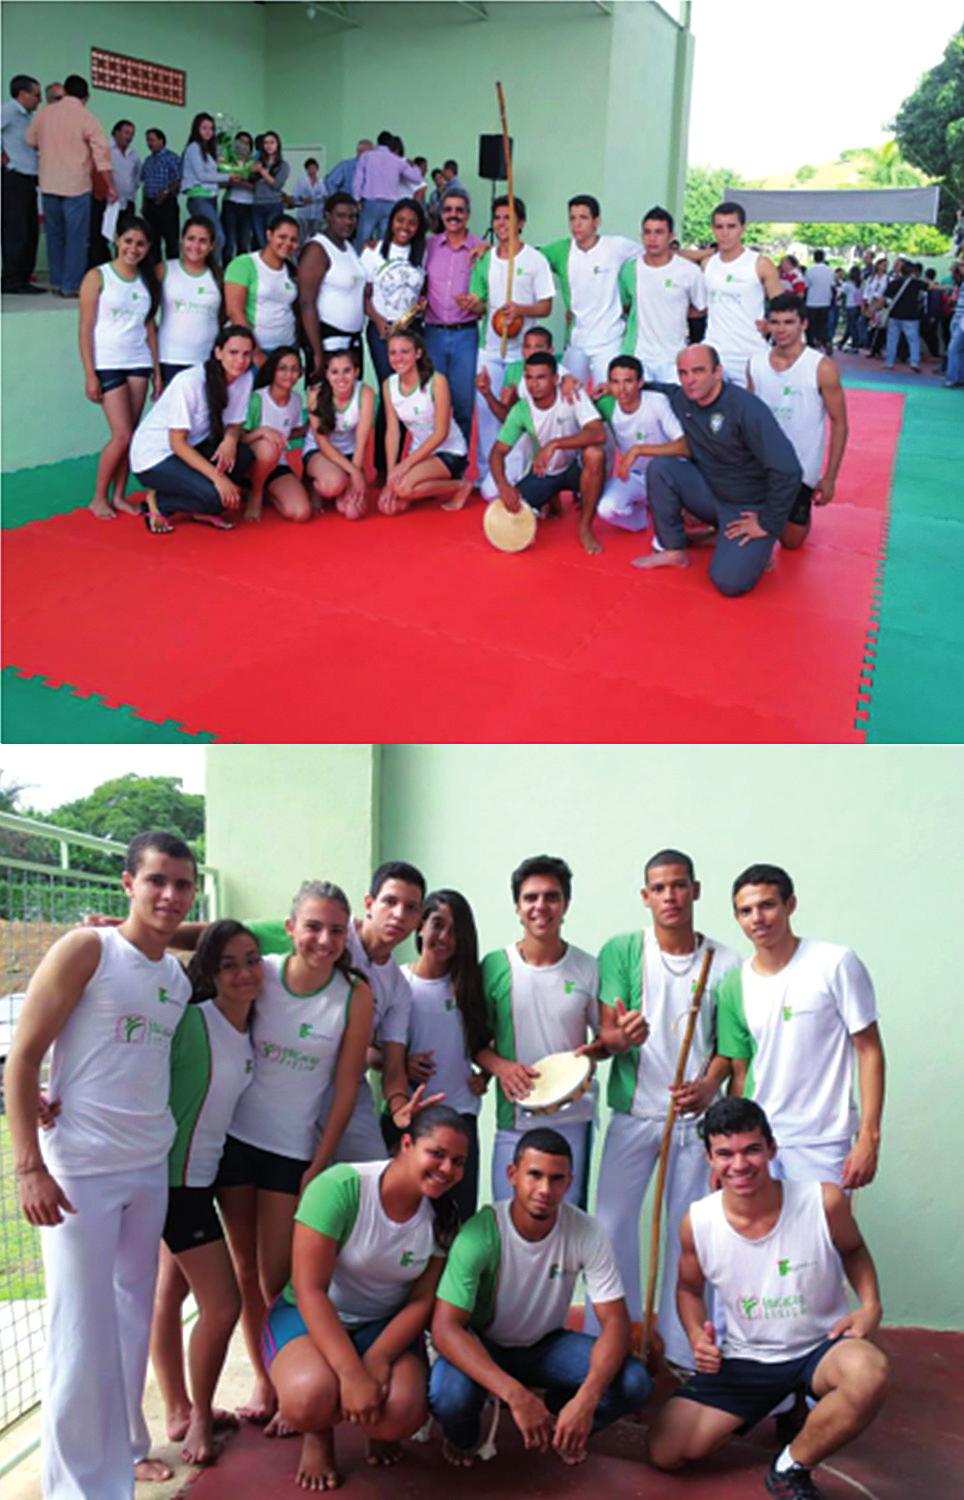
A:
[777,83]
[54,774]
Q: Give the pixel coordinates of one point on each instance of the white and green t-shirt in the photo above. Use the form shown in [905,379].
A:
[212,1063]
[296,1042]
[659,299]
[534,1010]
[435,1025]
[794,1029]
[634,969]
[264,411]
[518,1290]
[531,282]
[270,299]
[378,1258]
[589,281]
[653,421]
[562,419]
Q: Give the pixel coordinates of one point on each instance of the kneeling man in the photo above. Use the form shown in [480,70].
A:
[499,1323]
[776,1253]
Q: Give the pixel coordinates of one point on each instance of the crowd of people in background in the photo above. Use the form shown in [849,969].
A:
[269,285]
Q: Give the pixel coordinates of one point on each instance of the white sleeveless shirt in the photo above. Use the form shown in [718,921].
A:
[120,339]
[346,426]
[417,412]
[296,1041]
[734,294]
[782,1294]
[341,295]
[111,1064]
[794,398]
[190,309]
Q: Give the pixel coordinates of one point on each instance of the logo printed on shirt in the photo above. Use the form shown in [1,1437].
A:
[451,1003]
[407,1258]
[788,1012]
[139,1030]
[716,422]
[668,281]
[785,1267]
[554,1270]
[306,1030]
[166,999]
[568,986]
[288,1057]
[756,1309]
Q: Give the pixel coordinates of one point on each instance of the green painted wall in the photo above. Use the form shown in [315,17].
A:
[871,838]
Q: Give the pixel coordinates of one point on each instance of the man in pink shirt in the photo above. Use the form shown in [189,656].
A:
[451,327]
[381,178]
[70,142]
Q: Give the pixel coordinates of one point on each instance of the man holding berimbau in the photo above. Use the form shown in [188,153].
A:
[500,1317]
[647,980]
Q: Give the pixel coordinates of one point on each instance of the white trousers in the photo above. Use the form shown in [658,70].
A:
[629,1159]
[623,502]
[488,423]
[734,367]
[579,1136]
[101,1267]
[584,363]
[823,1163]
[664,370]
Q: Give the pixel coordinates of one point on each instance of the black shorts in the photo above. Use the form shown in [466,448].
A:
[800,514]
[750,1389]
[456,463]
[192,1219]
[243,1165]
[278,472]
[168,372]
[112,380]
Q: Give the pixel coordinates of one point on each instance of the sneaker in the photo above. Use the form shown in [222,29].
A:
[792,1484]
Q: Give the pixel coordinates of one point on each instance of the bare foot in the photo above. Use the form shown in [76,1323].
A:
[671,558]
[352,507]
[177,1423]
[152,1471]
[199,1440]
[459,498]
[572,1459]
[383,1454]
[279,1428]
[316,1466]
[102,509]
[262,1404]
[125,505]
[462,1458]
[589,542]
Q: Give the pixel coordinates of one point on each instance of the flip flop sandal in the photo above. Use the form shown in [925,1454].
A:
[217,523]
[156,524]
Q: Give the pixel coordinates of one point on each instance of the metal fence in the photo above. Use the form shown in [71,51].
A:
[41,898]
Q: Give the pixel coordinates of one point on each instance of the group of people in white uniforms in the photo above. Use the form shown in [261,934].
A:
[792,998]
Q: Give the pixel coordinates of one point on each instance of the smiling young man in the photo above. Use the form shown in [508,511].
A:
[801,387]
[587,265]
[500,1317]
[646,982]
[108,1001]
[540,995]
[663,291]
[792,1019]
[776,1253]
[639,420]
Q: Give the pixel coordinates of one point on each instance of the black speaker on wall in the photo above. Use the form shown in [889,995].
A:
[492,165]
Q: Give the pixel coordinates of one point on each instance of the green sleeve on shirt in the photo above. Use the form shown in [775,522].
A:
[513,375]
[734,1038]
[190,1081]
[627,292]
[606,405]
[497,987]
[479,280]
[620,978]
[516,423]
[329,1204]
[253,419]
[471,1274]
[241,272]
[272,936]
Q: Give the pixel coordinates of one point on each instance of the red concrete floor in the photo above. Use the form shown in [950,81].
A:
[914,1451]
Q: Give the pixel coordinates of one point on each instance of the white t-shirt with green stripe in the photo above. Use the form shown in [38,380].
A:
[518,1290]
[378,1258]
[563,419]
[634,969]
[532,1011]
[794,1028]
[264,411]
[435,1025]
[269,305]
[296,1041]
[212,1063]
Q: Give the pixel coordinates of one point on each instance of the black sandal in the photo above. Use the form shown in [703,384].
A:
[156,523]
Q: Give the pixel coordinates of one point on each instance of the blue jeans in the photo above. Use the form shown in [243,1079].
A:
[854,335]
[207,208]
[453,352]
[181,488]
[261,216]
[954,374]
[558,1363]
[910,328]
[67,223]
[236,224]
[677,483]
[373,220]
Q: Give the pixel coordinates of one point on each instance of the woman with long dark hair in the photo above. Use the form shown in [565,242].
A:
[261,288]
[395,278]
[331,283]
[417,397]
[118,347]
[201,176]
[186,450]
[269,175]
[345,1340]
[212,1062]
[447,1021]
[275,417]
[341,411]
[191,300]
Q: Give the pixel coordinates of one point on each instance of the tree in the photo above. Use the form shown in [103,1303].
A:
[930,126]
[705,188]
[127,805]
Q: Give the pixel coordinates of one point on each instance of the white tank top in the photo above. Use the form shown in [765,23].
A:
[782,1294]
[296,1041]
[346,426]
[735,300]
[794,398]
[111,1064]
[190,310]
[274,308]
[417,413]
[341,296]
[120,340]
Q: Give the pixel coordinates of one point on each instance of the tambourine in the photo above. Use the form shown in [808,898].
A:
[509,531]
[563,1078]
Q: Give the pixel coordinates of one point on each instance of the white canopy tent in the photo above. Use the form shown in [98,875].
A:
[839,205]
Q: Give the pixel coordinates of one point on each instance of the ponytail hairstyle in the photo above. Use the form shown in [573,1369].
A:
[215,379]
[206,960]
[208,148]
[423,364]
[327,890]
[144,272]
[464,971]
[212,264]
[445,1209]
[321,397]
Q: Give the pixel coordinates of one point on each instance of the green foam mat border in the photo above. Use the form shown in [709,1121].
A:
[34,712]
